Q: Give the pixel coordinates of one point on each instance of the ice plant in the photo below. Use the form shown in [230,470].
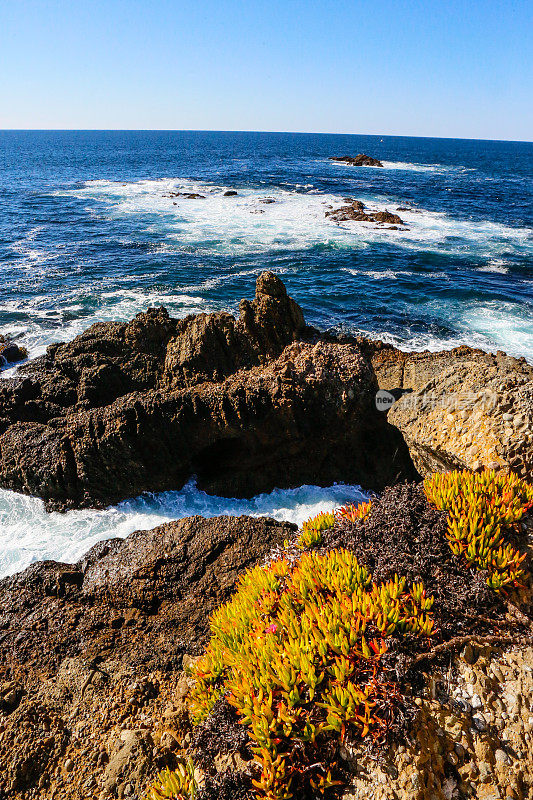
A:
[483,509]
[298,653]
[353,512]
[178,784]
[312,530]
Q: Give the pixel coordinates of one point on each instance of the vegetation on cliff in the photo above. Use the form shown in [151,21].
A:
[313,651]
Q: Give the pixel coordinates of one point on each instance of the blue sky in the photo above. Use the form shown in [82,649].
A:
[447,68]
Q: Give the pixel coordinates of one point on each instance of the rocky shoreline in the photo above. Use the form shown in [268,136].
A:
[246,404]
[94,655]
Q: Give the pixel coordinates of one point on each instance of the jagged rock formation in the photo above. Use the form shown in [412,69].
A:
[360,160]
[87,649]
[354,212]
[246,404]
[461,409]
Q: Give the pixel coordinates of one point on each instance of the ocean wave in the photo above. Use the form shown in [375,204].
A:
[507,326]
[28,533]
[496,265]
[295,221]
[379,275]
[489,326]
[38,325]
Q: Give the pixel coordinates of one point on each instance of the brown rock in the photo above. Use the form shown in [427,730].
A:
[387,216]
[354,212]
[452,412]
[142,406]
[10,353]
[360,160]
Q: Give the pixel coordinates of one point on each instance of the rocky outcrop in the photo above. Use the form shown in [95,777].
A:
[10,353]
[360,160]
[472,735]
[461,408]
[246,404]
[88,652]
[186,195]
[354,211]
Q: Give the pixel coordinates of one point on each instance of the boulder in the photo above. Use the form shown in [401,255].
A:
[360,160]
[230,193]
[458,409]
[246,404]
[11,353]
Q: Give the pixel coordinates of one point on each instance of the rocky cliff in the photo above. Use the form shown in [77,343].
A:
[86,647]
[461,408]
[245,404]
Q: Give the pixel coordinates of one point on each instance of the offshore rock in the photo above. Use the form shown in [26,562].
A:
[245,404]
[10,353]
[458,409]
[360,160]
[354,212]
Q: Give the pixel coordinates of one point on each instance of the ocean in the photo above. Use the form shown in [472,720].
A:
[88,232]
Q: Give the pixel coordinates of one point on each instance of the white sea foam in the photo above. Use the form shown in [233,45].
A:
[490,326]
[406,166]
[28,533]
[43,326]
[507,326]
[243,225]
[497,265]
[380,275]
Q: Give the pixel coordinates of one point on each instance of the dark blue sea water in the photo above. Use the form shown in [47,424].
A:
[87,233]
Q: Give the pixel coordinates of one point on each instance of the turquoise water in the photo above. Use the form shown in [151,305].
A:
[87,233]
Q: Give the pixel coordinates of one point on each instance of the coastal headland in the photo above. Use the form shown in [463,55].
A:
[100,683]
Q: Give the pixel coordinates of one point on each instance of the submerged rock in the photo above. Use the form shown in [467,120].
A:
[186,195]
[246,404]
[360,160]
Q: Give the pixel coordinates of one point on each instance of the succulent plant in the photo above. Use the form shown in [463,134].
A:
[483,509]
[299,649]
[311,533]
[178,784]
[353,512]
[298,652]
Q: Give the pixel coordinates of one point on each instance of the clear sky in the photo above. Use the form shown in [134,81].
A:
[461,68]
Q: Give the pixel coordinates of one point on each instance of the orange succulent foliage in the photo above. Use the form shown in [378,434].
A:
[353,512]
[312,530]
[298,652]
[483,508]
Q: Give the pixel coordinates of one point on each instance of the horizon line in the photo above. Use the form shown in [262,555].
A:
[295,133]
